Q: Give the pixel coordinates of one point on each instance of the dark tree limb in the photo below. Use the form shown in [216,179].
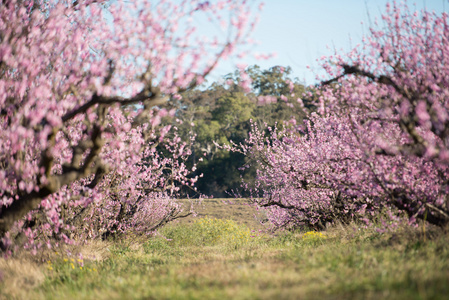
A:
[407,123]
[76,170]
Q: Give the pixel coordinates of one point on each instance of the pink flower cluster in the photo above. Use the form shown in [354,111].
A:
[380,140]
[79,81]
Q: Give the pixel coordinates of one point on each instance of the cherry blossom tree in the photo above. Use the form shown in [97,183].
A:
[380,139]
[79,81]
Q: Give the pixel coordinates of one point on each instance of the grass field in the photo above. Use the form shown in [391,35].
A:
[229,258]
[238,210]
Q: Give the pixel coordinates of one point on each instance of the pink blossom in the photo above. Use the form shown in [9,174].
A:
[93,111]
[379,140]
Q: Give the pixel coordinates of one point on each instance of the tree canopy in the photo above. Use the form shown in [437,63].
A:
[379,140]
[79,92]
[222,112]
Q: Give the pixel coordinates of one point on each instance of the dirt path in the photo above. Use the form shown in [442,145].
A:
[238,210]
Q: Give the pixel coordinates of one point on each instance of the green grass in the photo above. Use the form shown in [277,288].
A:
[220,259]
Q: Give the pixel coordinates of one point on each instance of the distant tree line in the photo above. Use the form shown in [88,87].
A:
[223,112]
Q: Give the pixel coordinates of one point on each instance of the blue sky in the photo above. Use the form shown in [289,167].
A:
[300,31]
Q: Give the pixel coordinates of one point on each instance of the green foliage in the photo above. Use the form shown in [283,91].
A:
[207,130]
[233,110]
[221,113]
[275,82]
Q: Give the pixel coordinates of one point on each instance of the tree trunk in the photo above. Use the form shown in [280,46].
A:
[20,207]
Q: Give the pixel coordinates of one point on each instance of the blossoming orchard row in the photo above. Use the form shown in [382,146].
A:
[83,153]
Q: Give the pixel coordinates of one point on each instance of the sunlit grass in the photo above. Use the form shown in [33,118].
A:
[216,259]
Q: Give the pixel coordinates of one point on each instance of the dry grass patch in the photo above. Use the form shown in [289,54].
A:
[238,210]
[19,276]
